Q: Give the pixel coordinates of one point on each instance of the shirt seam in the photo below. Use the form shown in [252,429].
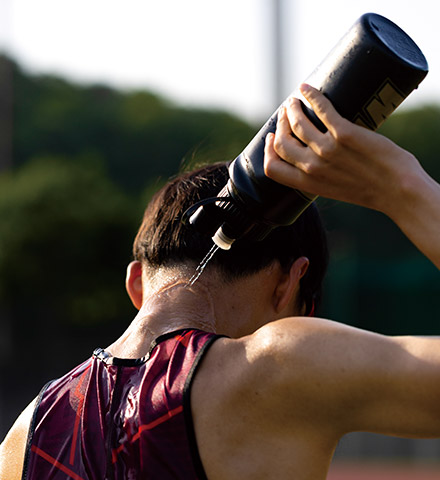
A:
[194,450]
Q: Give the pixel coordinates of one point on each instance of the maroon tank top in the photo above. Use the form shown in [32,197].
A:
[111,418]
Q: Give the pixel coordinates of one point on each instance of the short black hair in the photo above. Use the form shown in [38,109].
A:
[165,240]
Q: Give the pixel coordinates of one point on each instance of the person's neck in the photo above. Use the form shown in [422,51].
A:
[175,306]
[172,307]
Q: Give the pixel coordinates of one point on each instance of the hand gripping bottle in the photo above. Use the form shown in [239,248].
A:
[370,71]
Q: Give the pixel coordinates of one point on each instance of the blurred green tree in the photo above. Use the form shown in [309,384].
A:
[140,135]
[418,130]
[65,233]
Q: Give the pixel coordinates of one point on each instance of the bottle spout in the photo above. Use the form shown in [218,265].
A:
[222,240]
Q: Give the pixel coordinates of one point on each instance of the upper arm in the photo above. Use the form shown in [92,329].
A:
[12,449]
[331,376]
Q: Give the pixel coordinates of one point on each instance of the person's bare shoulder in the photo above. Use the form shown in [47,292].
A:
[12,449]
[249,403]
[285,353]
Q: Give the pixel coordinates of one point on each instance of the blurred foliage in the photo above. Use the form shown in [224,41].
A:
[77,169]
[140,135]
[418,130]
[64,239]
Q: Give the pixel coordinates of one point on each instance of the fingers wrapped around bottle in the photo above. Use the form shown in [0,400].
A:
[347,162]
[302,145]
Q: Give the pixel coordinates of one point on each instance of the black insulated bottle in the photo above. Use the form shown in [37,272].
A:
[370,71]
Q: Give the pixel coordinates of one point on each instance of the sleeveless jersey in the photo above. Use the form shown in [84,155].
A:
[115,419]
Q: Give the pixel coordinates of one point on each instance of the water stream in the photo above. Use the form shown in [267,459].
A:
[202,266]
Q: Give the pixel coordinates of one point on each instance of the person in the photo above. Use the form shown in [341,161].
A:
[231,378]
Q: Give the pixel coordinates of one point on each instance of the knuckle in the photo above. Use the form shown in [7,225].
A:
[268,166]
[311,168]
[328,148]
[308,168]
[316,170]
[295,124]
[279,145]
[342,133]
[319,105]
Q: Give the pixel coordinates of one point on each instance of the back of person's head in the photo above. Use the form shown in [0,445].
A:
[164,240]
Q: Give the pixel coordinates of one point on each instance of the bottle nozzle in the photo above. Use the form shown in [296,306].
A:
[222,240]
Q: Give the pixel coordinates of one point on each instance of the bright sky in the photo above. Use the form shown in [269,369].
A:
[200,52]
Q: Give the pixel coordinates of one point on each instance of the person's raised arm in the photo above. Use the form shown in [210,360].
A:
[353,164]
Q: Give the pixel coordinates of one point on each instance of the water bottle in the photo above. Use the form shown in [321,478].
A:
[366,76]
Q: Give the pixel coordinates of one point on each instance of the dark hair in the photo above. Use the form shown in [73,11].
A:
[164,240]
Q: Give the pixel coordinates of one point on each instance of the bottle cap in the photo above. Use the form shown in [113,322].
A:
[221,240]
